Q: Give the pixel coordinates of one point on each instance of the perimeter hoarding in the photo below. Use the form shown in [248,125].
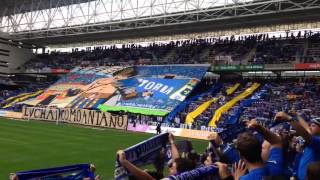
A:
[77,116]
[307,66]
[236,68]
[188,133]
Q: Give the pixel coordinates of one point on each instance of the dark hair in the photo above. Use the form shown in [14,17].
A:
[313,171]
[288,153]
[249,147]
[184,165]
[184,146]
[193,156]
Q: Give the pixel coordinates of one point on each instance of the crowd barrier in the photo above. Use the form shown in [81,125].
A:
[77,116]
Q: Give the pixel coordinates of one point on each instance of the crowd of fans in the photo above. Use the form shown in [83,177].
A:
[14,94]
[278,96]
[276,137]
[288,150]
[5,94]
[230,50]
[300,96]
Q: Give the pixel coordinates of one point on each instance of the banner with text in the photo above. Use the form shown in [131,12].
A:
[155,90]
[205,172]
[77,116]
[237,67]
[150,95]
[306,66]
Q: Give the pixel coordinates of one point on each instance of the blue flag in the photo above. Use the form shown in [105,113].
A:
[142,153]
[199,173]
[73,172]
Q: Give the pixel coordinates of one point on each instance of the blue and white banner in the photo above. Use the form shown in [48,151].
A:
[154,90]
[156,93]
[73,172]
[140,154]
[152,93]
[199,173]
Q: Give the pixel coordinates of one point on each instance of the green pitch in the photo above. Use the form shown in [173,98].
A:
[35,145]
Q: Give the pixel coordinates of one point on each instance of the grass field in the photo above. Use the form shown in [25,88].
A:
[35,145]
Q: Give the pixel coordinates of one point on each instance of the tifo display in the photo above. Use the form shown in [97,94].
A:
[152,90]
[255,106]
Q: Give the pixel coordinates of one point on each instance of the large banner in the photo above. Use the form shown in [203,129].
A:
[143,153]
[155,90]
[77,116]
[150,95]
[81,88]
[150,90]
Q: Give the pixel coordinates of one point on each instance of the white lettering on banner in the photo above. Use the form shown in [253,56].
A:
[77,116]
[157,87]
[149,85]
[167,91]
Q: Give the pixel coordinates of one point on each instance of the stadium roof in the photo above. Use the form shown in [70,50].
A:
[110,20]
[9,7]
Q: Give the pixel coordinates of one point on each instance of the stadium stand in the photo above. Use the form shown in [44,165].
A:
[251,94]
[224,106]
[255,49]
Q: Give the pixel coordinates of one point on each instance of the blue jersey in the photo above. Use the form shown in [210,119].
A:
[256,174]
[231,153]
[274,165]
[310,154]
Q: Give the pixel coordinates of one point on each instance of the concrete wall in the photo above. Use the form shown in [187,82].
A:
[12,57]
